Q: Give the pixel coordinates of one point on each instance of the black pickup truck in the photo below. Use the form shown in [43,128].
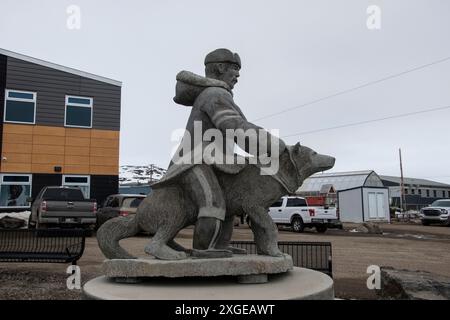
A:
[62,206]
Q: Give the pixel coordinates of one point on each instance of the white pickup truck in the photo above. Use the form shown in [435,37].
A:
[294,211]
[438,212]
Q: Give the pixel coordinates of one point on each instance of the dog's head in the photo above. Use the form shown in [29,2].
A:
[308,162]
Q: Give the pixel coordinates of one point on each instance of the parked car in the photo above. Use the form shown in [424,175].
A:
[62,206]
[294,211]
[437,212]
[118,205]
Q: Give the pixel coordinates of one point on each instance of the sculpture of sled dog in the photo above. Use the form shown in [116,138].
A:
[166,210]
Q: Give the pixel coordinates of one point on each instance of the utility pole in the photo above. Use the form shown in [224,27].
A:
[402,187]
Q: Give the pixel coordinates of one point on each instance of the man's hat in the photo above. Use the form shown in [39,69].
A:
[222,55]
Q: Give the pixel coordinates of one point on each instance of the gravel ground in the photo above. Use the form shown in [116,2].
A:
[407,246]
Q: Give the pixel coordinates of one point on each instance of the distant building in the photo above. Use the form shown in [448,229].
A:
[361,195]
[366,196]
[418,192]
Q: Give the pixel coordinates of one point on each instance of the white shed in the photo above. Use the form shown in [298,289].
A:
[362,204]
[361,195]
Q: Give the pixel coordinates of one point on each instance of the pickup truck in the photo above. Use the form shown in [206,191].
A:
[437,212]
[62,206]
[294,211]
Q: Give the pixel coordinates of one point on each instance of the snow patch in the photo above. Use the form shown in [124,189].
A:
[138,175]
[23,215]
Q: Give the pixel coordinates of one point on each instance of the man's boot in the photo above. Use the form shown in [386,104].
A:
[206,234]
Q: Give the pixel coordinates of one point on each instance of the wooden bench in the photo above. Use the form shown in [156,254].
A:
[42,245]
[311,255]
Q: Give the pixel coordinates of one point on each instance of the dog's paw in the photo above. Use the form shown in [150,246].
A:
[276,253]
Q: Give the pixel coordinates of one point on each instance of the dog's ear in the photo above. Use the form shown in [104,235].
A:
[297,148]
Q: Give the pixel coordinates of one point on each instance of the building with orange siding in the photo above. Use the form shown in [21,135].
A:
[60,126]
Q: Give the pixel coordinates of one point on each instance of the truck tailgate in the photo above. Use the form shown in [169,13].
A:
[322,213]
[75,209]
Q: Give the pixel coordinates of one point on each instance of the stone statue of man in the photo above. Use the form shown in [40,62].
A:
[213,107]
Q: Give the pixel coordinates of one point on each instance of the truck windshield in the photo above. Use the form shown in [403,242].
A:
[63,194]
[441,203]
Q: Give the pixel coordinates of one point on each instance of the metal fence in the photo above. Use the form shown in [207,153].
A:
[311,255]
[45,245]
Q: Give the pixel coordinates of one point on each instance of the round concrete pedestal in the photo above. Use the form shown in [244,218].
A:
[298,284]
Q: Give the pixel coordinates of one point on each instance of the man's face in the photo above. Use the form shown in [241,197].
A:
[231,74]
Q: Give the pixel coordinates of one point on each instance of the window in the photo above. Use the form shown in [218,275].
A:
[82,182]
[14,190]
[20,106]
[277,204]
[428,193]
[413,191]
[434,193]
[406,191]
[441,203]
[448,194]
[296,202]
[63,194]
[115,203]
[131,202]
[78,112]
[107,202]
[419,191]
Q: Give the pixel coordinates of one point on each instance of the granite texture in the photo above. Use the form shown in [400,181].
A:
[238,265]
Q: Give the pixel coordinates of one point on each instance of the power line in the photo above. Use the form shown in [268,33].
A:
[367,121]
[354,88]
[437,177]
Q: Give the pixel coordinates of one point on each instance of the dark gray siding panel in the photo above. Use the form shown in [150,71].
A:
[53,85]
[106,104]
[44,180]
[3,62]
[103,186]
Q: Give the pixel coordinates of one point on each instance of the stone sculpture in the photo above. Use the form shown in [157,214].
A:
[210,193]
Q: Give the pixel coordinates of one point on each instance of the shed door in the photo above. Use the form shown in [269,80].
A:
[376,205]
[380,205]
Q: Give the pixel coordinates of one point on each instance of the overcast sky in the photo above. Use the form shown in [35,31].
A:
[292,52]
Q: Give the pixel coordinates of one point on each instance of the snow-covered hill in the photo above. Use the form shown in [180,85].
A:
[134,175]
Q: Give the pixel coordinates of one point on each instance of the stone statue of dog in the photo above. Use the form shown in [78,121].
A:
[166,210]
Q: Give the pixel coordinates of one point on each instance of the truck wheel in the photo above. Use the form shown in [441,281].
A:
[321,229]
[297,224]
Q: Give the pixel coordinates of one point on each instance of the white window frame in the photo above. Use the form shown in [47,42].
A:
[91,106]
[77,184]
[7,91]
[8,183]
